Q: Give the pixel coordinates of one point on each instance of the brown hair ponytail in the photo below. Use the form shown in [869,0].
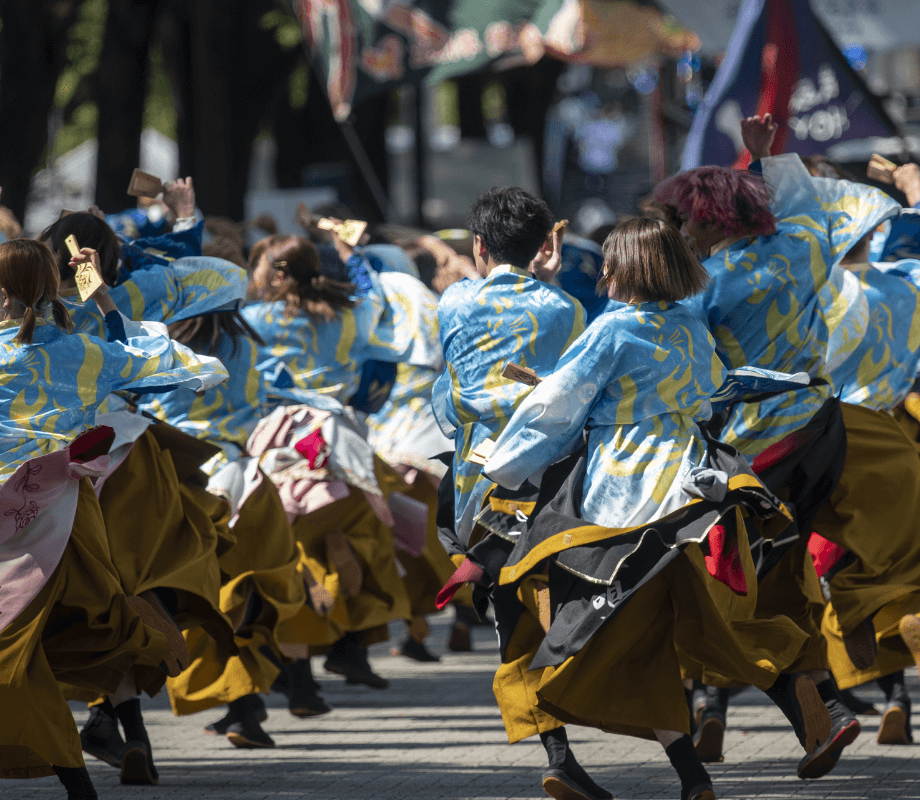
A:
[305,289]
[29,276]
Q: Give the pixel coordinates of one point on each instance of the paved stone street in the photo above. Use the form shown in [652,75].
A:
[436,733]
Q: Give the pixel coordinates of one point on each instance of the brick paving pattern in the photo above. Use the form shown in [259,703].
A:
[436,734]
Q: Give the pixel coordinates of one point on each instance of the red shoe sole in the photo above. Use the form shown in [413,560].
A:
[824,762]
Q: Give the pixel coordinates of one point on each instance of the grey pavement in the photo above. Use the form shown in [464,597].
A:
[436,734]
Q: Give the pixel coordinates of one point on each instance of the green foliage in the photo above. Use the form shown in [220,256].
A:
[73,94]
[494,101]
[298,84]
[284,24]
[446,104]
[160,104]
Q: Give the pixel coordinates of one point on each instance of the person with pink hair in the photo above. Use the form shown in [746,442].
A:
[778,300]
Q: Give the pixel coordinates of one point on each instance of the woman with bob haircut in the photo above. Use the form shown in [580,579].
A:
[641,509]
[54,553]
[321,331]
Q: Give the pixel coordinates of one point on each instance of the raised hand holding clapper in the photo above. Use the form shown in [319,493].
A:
[88,274]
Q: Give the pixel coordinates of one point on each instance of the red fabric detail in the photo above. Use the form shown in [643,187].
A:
[777,452]
[779,72]
[313,448]
[724,561]
[824,553]
[467,572]
[88,441]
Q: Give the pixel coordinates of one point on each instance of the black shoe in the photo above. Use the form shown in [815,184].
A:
[710,732]
[243,717]
[355,669]
[248,734]
[844,730]
[303,692]
[568,781]
[101,737]
[296,682]
[709,736]
[895,725]
[857,705]
[418,652]
[137,767]
[558,784]
[219,728]
[702,791]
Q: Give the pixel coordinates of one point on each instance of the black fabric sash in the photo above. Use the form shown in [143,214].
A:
[807,477]
[590,582]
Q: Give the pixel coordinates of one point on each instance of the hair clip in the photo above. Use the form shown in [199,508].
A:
[280,264]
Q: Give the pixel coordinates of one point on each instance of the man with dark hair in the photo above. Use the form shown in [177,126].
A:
[511,316]
[510,226]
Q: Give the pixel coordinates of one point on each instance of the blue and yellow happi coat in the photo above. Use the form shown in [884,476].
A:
[637,380]
[326,357]
[50,390]
[224,415]
[187,287]
[485,324]
[880,370]
[783,303]
[884,366]
[404,431]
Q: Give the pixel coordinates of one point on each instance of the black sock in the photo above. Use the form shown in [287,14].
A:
[828,690]
[894,688]
[77,783]
[302,672]
[245,708]
[132,722]
[718,698]
[687,765]
[348,646]
[782,694]
[560,756]
[106,707]
[830,694]
[556,743]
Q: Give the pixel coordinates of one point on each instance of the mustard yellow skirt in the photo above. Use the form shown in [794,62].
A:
[382,596]
[873,513]
[165,534]
[893,654]
[79,630]
[262,567]
[683,623]
[792,589]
